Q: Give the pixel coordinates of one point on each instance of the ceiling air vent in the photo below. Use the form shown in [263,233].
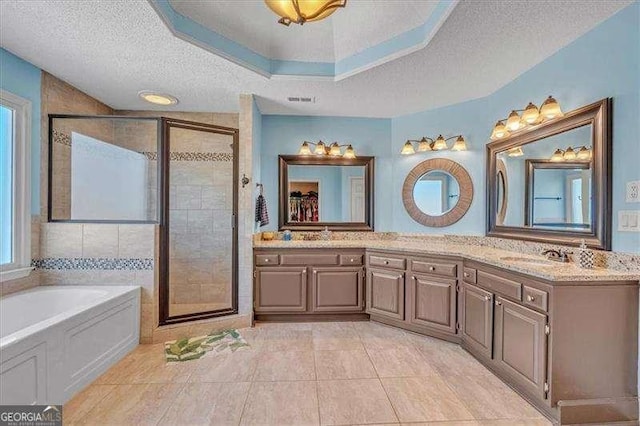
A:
[301,99]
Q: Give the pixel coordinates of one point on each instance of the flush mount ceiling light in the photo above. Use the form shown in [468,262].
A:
[531,115]
[301,11]
[322,149]
[438,144]
[158,98]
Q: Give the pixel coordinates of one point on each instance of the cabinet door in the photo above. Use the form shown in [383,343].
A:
[281,289]
[521,344]
[477,319]
[432,302]
[337,289]
[385,293]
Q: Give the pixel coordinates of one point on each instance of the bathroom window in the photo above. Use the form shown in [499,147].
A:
[15,186]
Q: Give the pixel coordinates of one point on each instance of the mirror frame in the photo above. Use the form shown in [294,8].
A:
[531,165]
[284,161]
[464,200]
[598,115]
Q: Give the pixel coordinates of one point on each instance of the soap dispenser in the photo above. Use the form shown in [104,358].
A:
[325,234]
[585,256]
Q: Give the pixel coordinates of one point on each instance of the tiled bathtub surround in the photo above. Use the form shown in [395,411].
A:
[86,263]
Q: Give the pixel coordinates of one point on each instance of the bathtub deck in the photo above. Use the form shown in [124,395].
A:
[329,373]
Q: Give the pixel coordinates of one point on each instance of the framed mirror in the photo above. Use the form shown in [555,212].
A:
[319,192]
[552,183]
[437,192]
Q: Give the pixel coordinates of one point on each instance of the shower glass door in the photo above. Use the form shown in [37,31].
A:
[198,237]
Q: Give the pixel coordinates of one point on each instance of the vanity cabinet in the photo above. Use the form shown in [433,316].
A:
[385,293]
[433,302]
[308,284]
[521,344]
[476,319]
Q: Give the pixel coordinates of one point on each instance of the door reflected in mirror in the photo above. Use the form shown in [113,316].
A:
[436,192]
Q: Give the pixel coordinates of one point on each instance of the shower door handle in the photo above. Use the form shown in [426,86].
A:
[233,221]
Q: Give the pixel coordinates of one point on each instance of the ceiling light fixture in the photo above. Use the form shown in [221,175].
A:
[301,11]
[157,98]
[438,144]
[322,149]
[531,115]
[515,152]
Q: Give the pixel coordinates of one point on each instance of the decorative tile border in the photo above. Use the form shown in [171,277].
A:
[87,263]
[192,156]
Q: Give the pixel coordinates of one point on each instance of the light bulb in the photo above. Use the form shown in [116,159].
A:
[499,131]
[530,114]
[550,108]
[557,156]
[569,154]
[459,145]
[584,153]
[440,143]
[513,121]
[320,149]
[424,145]
[349,152]
[304,149]
[334,151]
[407,149]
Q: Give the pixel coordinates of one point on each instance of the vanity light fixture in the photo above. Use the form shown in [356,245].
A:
[322,149]
[438,144]
[515,152]
[301,11]
[531,115]
[569,154]
[157,98]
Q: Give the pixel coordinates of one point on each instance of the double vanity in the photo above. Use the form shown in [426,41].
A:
[560,336]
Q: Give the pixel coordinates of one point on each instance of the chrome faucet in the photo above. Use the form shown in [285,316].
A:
[557,255]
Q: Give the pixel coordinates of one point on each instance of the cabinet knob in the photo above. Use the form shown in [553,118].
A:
[386,262]
[351,260]
[266,261]
[487,298]
[498,303]
[414,277]
[315,272]
[531,298]
[466,275]
[432,268]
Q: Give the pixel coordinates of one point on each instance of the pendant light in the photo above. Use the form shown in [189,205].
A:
[320,149]
[499,131]
[305,149]
[334,150]
[584,153]
[459,144]
[423,146]
[349,153]
[557,156]
[530,114]
[569,154]
[440,143]
[515,152]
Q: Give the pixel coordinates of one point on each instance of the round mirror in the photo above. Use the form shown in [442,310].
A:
[436,192]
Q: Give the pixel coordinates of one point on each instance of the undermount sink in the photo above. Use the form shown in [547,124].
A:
[530,260]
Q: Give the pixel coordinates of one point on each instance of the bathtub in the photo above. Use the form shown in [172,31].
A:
[56,340]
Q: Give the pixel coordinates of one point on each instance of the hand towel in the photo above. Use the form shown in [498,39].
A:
[262,215]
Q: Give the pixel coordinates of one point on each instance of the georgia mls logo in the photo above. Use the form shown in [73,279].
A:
[27,415]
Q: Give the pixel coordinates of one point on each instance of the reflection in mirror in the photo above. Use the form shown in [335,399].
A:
[543,192]
[319,193]
[436,192]
[103,169]
[502,186]
[559,195]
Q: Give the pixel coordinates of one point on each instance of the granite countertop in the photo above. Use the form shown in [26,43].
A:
[549,270]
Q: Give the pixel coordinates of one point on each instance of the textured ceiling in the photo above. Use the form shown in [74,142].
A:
[362,24]
[113,49]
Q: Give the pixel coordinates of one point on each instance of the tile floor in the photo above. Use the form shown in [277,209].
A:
[311,373]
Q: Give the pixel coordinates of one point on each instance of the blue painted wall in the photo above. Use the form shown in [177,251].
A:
[23,79]
[604,62]
[284,134]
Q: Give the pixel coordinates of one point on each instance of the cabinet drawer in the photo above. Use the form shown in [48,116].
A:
[444,269]
[387,262]
[350,259]
[500,285]
[266,259]
[536,298]
[469,275]
[309,259]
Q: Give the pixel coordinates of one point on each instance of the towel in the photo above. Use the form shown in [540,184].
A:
[262,215]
